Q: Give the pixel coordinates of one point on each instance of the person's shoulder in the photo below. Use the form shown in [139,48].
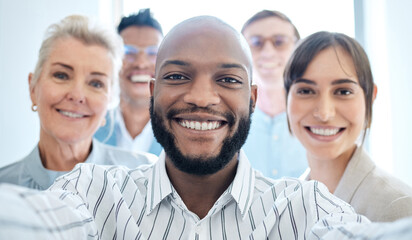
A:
[287,185]
[388,184]
[374,177]
[131,159]
[92,172]
[11,172]
[382,197]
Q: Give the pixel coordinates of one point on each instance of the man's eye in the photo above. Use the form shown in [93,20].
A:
[96,84]
[279,42]
[228,80]
[175,77]
[256,42]
[61,75]
[151,51]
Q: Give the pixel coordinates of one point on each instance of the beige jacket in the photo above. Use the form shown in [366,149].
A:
[371,191]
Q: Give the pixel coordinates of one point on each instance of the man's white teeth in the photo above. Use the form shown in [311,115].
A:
[325,131]
[70,114]
[202,126]
[140,78]
[268,65]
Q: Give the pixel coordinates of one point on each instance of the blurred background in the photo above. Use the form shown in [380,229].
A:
[381,26]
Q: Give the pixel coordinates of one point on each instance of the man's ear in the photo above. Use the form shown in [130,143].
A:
[151,86]
[253,95]
[375,92]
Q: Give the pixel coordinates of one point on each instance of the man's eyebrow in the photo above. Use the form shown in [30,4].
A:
[233,65]
[175,62]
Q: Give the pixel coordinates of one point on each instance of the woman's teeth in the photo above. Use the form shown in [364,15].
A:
[324,131]
[71,114]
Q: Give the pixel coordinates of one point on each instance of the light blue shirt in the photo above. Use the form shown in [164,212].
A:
[115,133]
[30,172]
[271,149]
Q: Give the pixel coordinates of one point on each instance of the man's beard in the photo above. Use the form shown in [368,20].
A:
[199,165]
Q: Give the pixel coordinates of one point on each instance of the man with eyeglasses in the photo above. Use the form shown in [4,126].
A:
[270,147]
[128,125]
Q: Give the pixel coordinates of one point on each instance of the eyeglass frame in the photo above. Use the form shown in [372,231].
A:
[131,52]
[272,39]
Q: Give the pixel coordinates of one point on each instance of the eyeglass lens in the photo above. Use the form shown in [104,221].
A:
[278,41]
[131,52]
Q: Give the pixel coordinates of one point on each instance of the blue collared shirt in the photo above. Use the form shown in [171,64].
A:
[115,133]
[30,172]
[271,149]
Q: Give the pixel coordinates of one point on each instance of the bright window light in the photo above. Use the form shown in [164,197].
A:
[308,16]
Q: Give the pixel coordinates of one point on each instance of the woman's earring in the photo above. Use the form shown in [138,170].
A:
[34,107]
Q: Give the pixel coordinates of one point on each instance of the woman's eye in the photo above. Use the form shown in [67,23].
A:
[305,91]
[343,92]
[176,77]
[61,75]
[96,84]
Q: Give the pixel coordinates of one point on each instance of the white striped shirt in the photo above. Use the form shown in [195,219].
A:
[103,202]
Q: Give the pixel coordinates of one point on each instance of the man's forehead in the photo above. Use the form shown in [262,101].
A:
[207,40]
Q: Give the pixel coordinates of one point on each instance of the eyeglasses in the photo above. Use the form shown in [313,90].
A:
[131,52]
[279,42]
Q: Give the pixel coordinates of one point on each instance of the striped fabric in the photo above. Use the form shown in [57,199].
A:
[102,202]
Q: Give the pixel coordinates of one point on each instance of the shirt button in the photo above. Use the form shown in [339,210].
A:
[274,172]
[198,229]
[275,137]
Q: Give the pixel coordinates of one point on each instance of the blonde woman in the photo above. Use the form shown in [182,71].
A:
[70,90]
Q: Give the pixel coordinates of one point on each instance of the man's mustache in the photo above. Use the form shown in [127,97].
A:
[230,118]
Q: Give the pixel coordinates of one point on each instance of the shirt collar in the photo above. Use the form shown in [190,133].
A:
[39,174]
[159,185]
[259,114]
[359,166]
[122,131]
[242,187]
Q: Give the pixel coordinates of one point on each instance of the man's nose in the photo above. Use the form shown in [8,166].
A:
[141,60]
[202,92]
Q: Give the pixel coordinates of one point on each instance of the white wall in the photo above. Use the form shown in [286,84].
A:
[308,16]
[387,36]
[382,27]
[22,24]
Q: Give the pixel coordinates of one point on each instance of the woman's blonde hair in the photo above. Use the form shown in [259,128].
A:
[87,31]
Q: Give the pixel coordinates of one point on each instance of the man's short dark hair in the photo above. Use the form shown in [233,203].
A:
[141,19]
[270,13]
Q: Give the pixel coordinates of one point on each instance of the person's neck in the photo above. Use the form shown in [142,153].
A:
[200,193]
[135,117]
[271,99]
[329,171]
[60,156]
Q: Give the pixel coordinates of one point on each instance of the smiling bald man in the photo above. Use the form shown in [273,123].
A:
[202,186]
